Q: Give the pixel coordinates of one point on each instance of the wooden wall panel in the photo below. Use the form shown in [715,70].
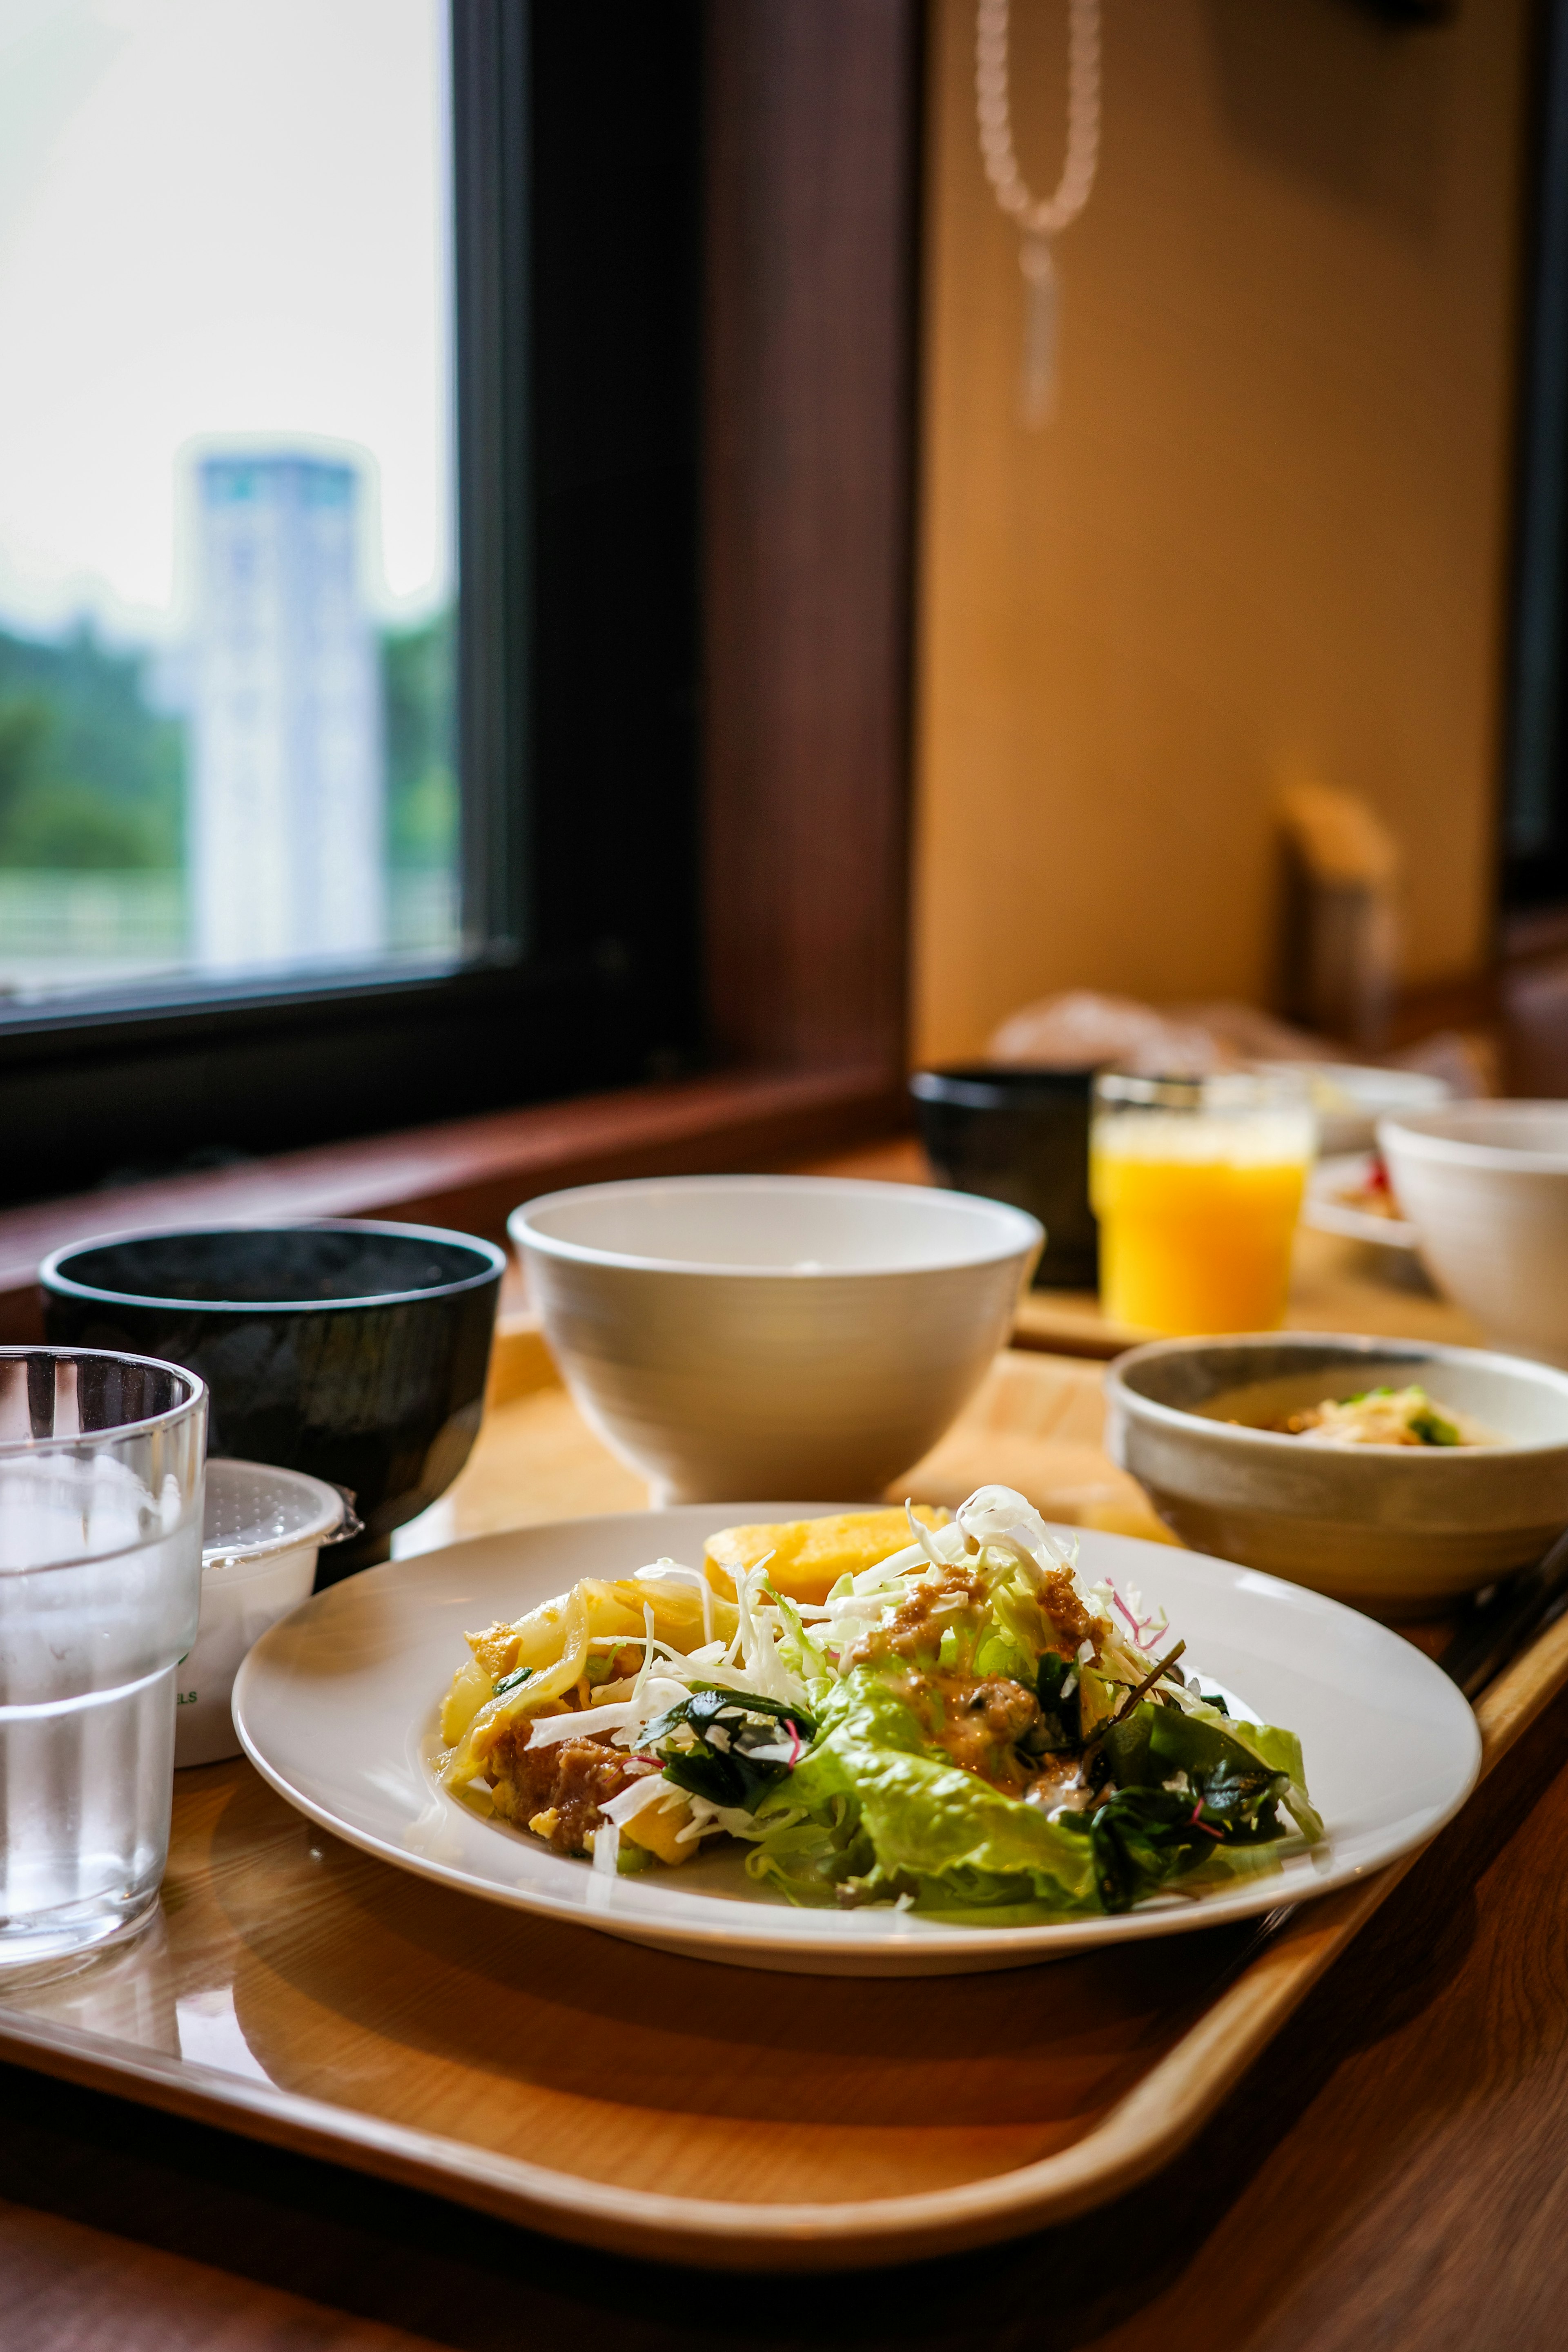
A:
[1265,537]
[814,138]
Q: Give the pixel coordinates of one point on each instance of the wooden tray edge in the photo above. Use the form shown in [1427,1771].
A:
[1136,2138]
[1141,2133]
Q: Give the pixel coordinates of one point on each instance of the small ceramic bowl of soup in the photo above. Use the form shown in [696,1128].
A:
[1391,1474]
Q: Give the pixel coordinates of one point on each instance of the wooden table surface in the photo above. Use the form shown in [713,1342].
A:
[1394,2173]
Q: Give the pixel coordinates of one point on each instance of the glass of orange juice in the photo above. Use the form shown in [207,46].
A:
[1198,1185]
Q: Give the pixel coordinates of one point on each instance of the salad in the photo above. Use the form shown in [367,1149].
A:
[1381,1417]
[963,1726]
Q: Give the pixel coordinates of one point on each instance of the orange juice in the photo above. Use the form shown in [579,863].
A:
[1196,1215]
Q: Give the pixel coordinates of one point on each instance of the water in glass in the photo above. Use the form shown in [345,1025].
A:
[100,1560]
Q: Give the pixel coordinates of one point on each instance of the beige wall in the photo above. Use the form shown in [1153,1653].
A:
[1265,535]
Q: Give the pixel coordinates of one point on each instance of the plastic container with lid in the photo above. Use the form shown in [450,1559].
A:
[261,1530]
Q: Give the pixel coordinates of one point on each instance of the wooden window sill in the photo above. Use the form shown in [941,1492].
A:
[468,1173]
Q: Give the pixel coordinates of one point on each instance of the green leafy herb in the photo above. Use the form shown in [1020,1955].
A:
[512,1682]
[1142,1837]
[1128,1704]
[725,1727]
[1058,1727]
[1126,1748]
[1227,1765]
[1426,1422]
[753,1701]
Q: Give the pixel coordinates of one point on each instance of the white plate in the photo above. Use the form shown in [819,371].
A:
[337,1707]
[1327,1213]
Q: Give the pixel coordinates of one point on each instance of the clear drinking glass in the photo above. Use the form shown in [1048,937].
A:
[101,1462]
[1197,1183]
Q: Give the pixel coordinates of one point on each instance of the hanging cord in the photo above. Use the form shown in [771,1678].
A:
[1040,219]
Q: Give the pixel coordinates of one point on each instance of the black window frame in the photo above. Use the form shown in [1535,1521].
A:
[579,175]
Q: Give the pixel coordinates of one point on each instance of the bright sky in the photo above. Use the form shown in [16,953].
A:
[223,223]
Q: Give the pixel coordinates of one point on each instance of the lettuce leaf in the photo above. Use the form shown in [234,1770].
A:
[873,1812]
[885,1816]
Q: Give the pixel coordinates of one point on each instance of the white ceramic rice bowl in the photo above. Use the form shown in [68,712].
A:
[735,1335]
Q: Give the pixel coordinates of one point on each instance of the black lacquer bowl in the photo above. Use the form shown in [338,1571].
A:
[357,1352]
[1022,1136]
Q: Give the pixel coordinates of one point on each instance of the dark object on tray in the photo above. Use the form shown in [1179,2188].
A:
[1022,1136]
[357,1352]
[1493,1630]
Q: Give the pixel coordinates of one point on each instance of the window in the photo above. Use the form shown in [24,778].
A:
[227,553]
[349,370]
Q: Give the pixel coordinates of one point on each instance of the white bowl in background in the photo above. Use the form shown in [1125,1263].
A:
[261,1530]
[1395,1529]
[1486,1186]
[1349,1097]
[773,1334]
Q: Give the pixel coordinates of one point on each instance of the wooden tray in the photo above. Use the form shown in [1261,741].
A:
[302,1992]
